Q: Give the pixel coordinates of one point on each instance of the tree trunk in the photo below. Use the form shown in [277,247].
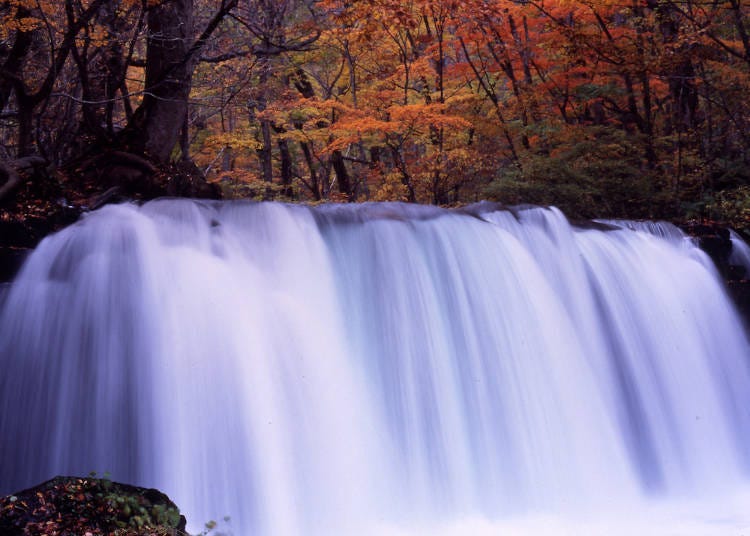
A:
[155,127]
[286,168]
[265,153]
[342,175]
[25,126]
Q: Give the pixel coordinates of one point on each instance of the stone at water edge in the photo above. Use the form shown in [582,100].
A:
[75,506]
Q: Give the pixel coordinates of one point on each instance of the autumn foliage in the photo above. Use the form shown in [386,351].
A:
[628,108]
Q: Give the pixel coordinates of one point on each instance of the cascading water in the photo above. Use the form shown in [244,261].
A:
[740,253]
[380,369]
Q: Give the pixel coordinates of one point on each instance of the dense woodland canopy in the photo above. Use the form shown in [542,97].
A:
[636,108]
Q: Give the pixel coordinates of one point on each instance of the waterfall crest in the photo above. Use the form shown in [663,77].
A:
[335,369]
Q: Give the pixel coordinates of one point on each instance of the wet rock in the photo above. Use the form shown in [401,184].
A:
[740,293]
[11,260]
[716,242]
[72,506]
[18,236]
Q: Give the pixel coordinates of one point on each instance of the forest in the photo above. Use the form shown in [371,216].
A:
[604,108]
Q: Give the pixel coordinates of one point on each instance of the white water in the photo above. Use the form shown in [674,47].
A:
[740,253]
[381,369]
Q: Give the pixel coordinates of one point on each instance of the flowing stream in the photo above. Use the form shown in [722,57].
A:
[381,369]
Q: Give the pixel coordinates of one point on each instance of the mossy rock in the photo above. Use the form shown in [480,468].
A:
[72,506]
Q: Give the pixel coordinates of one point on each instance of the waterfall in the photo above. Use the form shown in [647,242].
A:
[740,253]
[380,369]
[667,231]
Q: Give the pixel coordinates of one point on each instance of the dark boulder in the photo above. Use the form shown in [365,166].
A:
[739,290]
[716,242]
[71,506]
[18,236]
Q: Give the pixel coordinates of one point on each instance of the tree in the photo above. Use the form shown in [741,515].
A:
[440,101]
[172,53]
[37,72]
